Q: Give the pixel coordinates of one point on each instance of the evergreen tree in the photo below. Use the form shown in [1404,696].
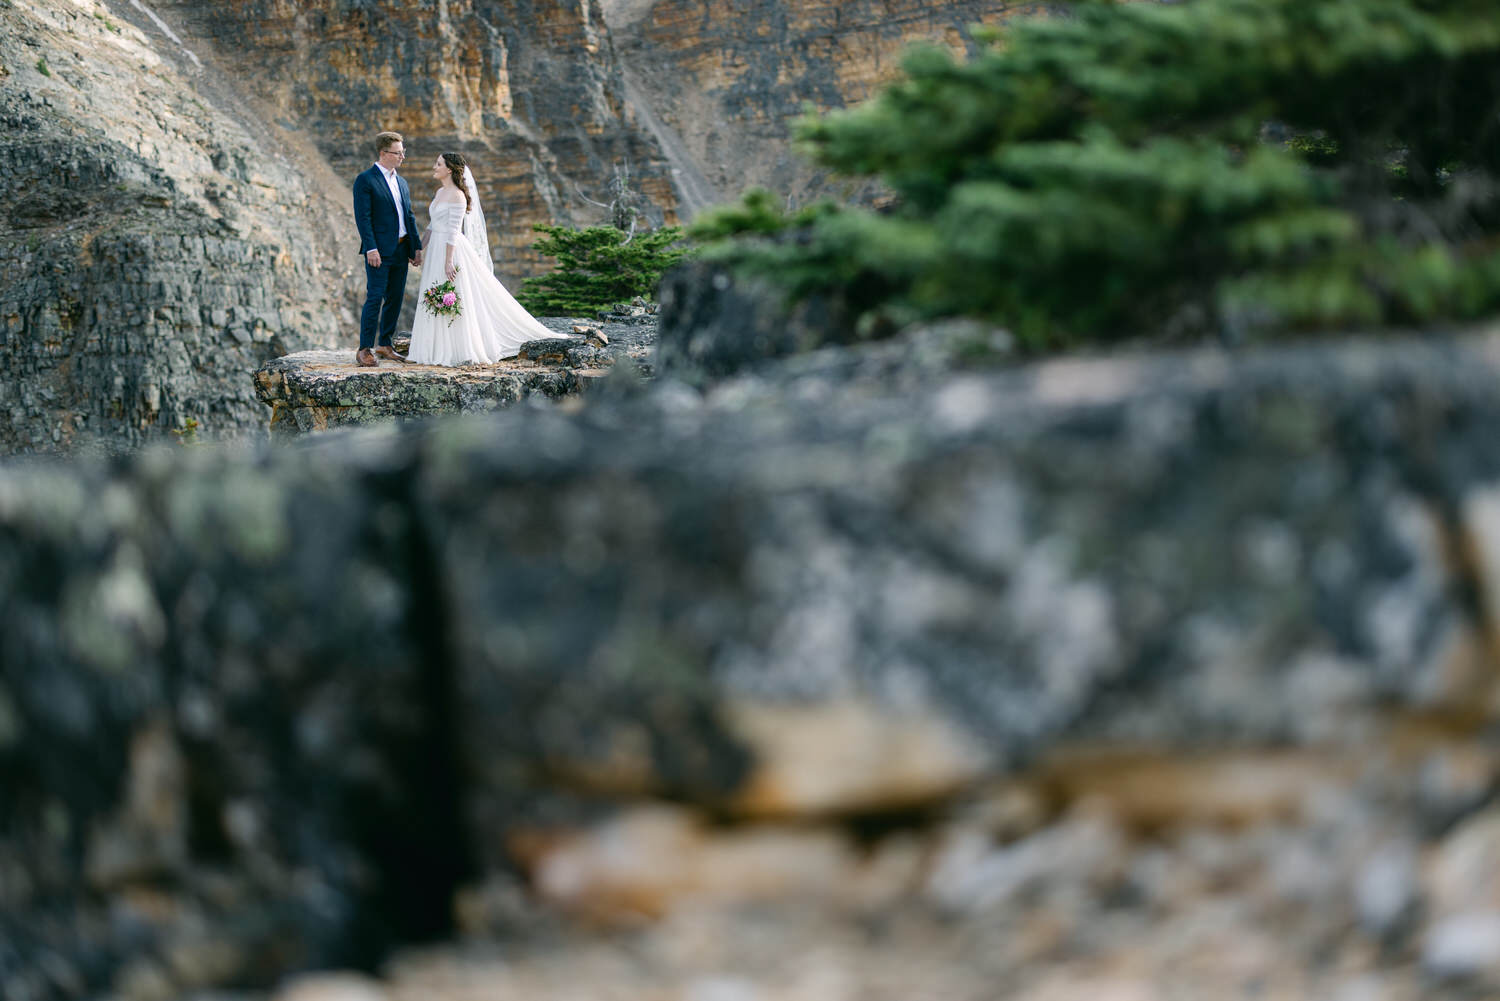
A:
[1126,169]
[597,267]
[601,265]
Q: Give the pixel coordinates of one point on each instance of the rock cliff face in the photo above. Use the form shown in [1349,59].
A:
[549,97]
[161,241]
[727,77]
[529,89]
[870,674]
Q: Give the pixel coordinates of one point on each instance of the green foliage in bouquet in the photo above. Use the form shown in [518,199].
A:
[1220,166]
[597,267]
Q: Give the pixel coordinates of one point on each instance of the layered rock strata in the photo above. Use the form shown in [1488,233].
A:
[724,79]
[529,90]
[1101,677]
[161,242]
[317,390]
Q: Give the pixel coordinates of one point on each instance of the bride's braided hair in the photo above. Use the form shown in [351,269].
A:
[456,164]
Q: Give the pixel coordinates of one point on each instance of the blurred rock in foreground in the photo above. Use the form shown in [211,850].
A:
[858,677]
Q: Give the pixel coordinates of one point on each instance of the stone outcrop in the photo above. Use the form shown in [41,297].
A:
[317,390]
[1114,677]
[160,241]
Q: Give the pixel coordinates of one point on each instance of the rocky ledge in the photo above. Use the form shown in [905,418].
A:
[318,390]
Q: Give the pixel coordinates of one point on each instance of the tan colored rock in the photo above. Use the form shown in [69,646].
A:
[1461,886]
[1086,988]
[332,987]
[1150,790]
[850,756]
[1481,522]
[1453,777]
[723,80]
[1463,872]
[1481,552]
[1009,810]
[651,860]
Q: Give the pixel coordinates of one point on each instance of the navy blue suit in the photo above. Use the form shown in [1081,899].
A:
[375,215]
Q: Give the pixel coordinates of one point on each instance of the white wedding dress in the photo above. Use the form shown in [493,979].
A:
[491,325]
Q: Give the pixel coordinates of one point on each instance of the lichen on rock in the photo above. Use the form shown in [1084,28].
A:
[1027,649]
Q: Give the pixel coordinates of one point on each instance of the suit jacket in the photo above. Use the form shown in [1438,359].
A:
[375,213]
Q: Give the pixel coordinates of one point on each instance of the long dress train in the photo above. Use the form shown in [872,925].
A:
[491,325]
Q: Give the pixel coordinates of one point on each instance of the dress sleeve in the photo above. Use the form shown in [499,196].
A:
[445,222]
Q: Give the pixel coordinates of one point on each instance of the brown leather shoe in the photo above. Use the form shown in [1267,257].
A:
[389,353]
[366,358]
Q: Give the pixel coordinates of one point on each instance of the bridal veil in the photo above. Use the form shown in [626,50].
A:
[474,222]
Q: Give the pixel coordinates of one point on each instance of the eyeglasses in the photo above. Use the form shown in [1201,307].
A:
[395,152]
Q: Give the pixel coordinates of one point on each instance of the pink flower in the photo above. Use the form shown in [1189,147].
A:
[449,298]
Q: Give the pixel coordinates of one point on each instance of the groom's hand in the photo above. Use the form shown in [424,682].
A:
[372,257]
[417,258]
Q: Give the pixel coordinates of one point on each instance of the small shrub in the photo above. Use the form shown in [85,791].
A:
[598,266]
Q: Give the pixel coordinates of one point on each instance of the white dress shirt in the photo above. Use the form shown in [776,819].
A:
[390,182]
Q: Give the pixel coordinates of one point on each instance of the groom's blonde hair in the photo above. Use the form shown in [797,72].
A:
[386,140]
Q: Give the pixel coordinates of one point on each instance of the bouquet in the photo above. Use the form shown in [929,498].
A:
[442,300]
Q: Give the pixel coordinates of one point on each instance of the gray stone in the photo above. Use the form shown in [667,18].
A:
[393,659]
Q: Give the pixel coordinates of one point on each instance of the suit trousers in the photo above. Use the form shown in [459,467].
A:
[384,288]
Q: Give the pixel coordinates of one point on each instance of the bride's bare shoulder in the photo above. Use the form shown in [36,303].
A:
[446,196]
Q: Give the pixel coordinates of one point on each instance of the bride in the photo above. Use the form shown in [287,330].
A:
[490,325]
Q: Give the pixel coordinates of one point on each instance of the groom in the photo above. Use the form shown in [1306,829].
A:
[388,239]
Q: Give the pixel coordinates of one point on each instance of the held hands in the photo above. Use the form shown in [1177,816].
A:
[372,257]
